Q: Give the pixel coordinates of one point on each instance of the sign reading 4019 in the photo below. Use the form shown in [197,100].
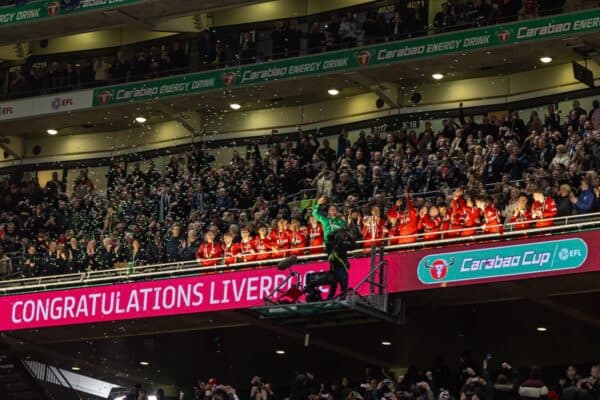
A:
[492,262]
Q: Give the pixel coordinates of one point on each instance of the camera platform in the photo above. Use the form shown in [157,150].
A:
[301,304]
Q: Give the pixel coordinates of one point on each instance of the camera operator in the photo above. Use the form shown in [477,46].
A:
[337,246]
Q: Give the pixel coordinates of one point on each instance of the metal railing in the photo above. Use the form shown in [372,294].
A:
[45,373]
[571,223]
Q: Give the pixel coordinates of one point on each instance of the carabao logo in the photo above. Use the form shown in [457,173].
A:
[229,78]
[104,97]
[503,36]
[53,8]
[438,269]
[363,58]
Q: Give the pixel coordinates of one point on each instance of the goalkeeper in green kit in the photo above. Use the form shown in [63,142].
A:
[337,243]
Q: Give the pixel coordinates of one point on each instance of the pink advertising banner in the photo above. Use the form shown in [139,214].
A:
[203,293]
[408,271]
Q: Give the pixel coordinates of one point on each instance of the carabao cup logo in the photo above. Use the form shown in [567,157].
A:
[53,8]
[363,58]
[438,269]
[503,36]
[229,79]
[104,97]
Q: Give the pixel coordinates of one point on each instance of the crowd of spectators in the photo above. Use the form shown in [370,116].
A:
[468,177]
[489,380]
[290,38]
[454,15]
[66,73]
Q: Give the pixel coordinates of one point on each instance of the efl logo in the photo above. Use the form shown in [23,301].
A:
[229,79]
[53,8]
[364,57]
[104,97]
[58,102]
[439,268]
[503,36]
[7,110]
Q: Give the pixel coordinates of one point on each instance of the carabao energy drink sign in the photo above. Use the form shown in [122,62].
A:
[492,262]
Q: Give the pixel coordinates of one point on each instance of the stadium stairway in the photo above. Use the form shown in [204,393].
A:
[17,384]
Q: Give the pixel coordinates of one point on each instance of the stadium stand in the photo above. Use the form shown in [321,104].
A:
[403,188]
[472,381]
[239,45]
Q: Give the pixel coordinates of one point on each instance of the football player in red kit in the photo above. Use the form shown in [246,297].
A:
[470,217]
[457,213]
[297,238]
[407,221]
[446,227]
[231,250]
[210,251]
[315,236]
[430,221]
[521,217]
[490,215]
[543,209]
[262,244]
[280,239]
[247,250]
[373,228]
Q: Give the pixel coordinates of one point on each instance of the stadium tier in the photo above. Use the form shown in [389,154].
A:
[299,199]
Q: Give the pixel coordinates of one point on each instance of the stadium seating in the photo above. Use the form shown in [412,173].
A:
[469,178]
[246,44]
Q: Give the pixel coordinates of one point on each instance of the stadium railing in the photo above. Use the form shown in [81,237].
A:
[567,224]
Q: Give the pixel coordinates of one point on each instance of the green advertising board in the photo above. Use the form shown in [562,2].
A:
[346,60]
[493,262]
[36,10]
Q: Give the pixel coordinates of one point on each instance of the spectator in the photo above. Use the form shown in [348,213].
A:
[315,38]
[594,115]
[533,388]
[278,36]
[586,200]
[510,9]
[444,20]
[563,203]
[569,380]
[206,50]
[121,68]
[332,36]
[247,48]
[177,56]
[102,69]
[293,36]
[348,31]
[6,267]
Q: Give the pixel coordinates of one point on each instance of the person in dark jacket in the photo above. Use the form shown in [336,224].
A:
[563,204]
[105,256]
[188,249]
[174,244]
[337,246]
[506,383]
[586,200]
[569,380]
[496,162]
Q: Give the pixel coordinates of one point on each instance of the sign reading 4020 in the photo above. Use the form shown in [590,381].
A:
[492,262]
